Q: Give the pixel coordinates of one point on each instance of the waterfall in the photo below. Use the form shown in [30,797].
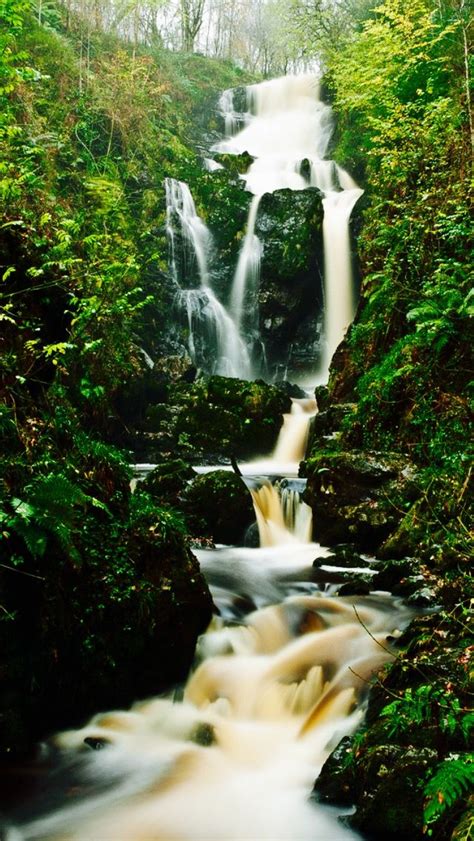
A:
[282,517]
[281,676]
[247,274]
[286,130]
[234,760]
[214,341]
[339,300]
[293,437]
[228,113]
[287,127]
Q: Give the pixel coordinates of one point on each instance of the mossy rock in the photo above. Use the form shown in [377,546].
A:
[219,505]
[357,496]
[114,621]
[167,482]
[219,417]
[390,781]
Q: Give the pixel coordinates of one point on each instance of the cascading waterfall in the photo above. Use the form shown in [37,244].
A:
[247,274]
[212,332]
[270,698]
[287,128]
[282,517]
[293,436]
[282,673]
[228,113]
[281,676]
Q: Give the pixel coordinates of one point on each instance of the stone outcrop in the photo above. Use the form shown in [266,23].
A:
[356,496]
[218,505]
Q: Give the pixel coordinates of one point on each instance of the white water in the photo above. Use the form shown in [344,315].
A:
[287,126]
[247,273]
[237,758]
[280,677]
[287,130]
[228,113]
[339,298]
[210,327]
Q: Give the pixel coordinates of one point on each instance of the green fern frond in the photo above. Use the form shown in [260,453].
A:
[50,511]
[55,494]
[452,781]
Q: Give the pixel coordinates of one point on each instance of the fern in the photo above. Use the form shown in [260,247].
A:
[421,706]
[452,781]
[49,511]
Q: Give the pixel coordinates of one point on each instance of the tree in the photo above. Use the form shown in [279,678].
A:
[192,13]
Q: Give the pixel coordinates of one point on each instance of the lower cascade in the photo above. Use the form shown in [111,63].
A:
[279,678]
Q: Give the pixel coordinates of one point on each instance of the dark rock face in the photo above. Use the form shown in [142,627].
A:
[168,481]
[117,624]
[290,298]
[391,792]
[355,495]
[219,506]
[215,418]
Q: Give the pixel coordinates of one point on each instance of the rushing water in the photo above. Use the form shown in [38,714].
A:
[288,126]
[213,334]
[286,129]
[280,677]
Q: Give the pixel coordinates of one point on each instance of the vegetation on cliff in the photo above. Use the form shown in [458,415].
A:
[96,585]
[399,400]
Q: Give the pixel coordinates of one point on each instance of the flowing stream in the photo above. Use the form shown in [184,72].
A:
[280,677]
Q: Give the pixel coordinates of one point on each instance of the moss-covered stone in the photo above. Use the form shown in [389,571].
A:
[289,225]
[107,614]
[356,496]
[216,418]
[218,505]
[391,796]
[168,480]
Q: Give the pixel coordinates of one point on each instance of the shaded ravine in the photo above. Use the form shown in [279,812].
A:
[279,678]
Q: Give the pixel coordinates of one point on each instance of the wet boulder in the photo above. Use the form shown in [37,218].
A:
[219,505]
[168,481]
[216,418]
[390,780]
[289,224]
[356,496]
[109,618]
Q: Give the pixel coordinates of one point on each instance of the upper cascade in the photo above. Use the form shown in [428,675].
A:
[286,130]
[287,124]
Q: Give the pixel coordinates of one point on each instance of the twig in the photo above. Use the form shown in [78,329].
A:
[383,647]
[22,572]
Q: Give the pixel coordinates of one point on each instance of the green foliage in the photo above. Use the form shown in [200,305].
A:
[49,511]
[452,781]
[84,148]
[399,87]
[162,522]
[425,705]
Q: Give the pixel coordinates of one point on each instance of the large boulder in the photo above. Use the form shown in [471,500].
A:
[289,224]
[167,482]
[216,418]
[219,506]
[356,496]
[109,613]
